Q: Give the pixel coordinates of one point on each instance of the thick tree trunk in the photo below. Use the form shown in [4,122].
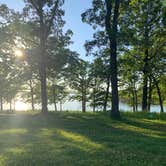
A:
[83,103]
[106,94]
[145,83]
[42,65]
[112,32]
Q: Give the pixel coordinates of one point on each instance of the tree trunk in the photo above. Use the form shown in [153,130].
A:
[106,94]
[94,93]
[84,106]
[32,95]
[112,33]
[83,102]
[150,94]
[60,104]
[10,105]
[94,99]
[55,106]
[133,101]
[136,100]
[1,100]
[83,89]
[42,65]
[145,83]
[54,98]
[159,95]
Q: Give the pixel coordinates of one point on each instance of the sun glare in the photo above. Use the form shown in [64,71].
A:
[20,106]
[18,53]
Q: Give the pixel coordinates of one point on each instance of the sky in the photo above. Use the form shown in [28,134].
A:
[73,10]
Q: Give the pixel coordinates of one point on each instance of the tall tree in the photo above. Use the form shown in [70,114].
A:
[104,14]
[48,15]
[147,23]
[111,28]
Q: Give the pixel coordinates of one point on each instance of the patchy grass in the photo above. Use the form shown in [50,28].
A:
[76,139]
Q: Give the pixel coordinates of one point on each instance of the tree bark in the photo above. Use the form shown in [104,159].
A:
[83,103]
[145,83]
[42,65]
[83,96]
[112,33]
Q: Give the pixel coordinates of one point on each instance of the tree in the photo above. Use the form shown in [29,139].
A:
[77,74]
[129,78]
[146,23]
[99,82]
[48,14]
[10,72]
[106,15]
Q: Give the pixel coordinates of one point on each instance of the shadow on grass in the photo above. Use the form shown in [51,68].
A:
[77,139]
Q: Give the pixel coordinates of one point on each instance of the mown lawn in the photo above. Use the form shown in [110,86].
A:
[76,139]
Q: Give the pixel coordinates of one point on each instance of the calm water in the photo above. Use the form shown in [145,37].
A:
[76,106]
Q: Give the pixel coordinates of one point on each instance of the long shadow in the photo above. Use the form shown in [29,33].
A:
[77,139]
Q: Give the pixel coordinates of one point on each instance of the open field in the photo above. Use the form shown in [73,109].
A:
[76,139]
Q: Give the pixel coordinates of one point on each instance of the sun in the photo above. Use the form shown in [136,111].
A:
[20,106]
[18,53]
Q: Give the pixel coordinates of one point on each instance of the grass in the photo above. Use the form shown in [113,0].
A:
[76,139]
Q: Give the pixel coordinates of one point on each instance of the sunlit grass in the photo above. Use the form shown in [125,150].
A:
[81,139]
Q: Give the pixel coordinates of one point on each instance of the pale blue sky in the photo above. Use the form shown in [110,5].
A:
[73,10]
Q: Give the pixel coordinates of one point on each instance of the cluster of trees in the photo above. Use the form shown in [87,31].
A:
[128,47]
[130,37]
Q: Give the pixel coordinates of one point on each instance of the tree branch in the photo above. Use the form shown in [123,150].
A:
[52,17]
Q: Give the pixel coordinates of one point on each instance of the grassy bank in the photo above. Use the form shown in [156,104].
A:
[76,139]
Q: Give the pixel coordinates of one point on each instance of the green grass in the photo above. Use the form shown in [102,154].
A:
[76,139]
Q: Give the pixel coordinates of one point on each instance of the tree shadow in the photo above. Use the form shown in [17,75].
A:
[76,139]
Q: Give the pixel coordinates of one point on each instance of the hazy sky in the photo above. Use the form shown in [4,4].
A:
[73,10]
